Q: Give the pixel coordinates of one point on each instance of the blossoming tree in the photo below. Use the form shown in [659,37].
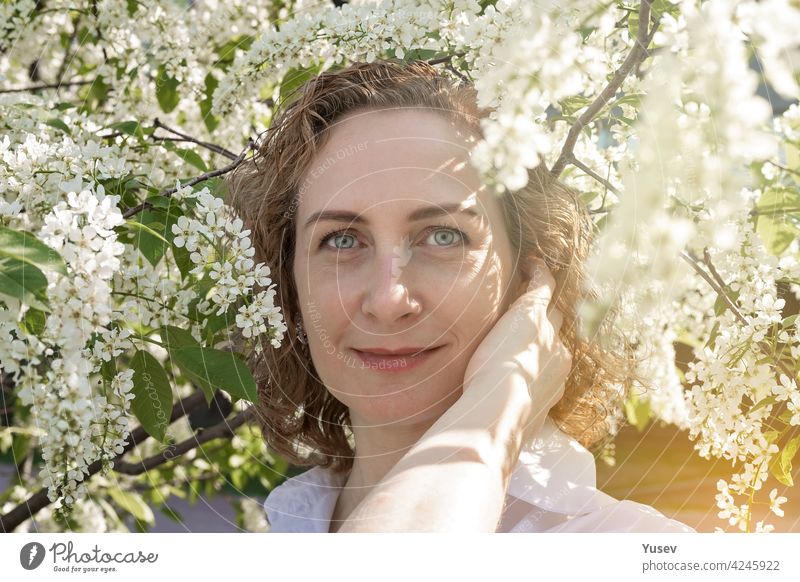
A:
[124,275]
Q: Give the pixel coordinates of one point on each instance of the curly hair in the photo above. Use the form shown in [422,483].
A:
[299,418]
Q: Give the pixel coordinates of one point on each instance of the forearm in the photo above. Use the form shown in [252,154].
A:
[455,477]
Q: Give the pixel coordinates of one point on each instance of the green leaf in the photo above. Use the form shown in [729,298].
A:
[227,52]
[788,453]
[24,282]
[789,321]
[108,369]
[205,105]
[148,241]
[147,229]
[217,323]
[762,403]
[160,201]
[217,186]
[781,465]
[133,6]
[776,234]
[174,337]
[34,321]
[152,234]
[24,246]
[133,503]
[20,447]
[221,370]
[60,125]
[166,90]
[188,156]
[714,333]
[637,411]
[133,128]
[633,24]
[294,79]
[720,305]
[777,217]
[152,404]
[182,260]
[97,93]
[571,105]
[171,514]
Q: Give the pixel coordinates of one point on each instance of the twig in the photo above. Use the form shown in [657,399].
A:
[445,59]
[47,86]
[587,170]
[68,53]
[39,500]
[720,290]
[223,429]
[213,174]
[449,66]
[637,54]
[209,146]
[785,169]
[712,269]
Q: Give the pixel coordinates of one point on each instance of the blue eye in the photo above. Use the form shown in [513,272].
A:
[443,235]
[336,234]
[447,240]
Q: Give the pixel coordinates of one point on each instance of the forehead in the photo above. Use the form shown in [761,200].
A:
[393,156]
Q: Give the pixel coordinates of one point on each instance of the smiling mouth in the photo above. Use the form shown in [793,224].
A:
[395,362]
[399,354]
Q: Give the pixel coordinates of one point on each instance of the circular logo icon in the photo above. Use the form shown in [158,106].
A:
[31,555]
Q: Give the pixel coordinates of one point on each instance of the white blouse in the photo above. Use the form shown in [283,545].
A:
[552,489]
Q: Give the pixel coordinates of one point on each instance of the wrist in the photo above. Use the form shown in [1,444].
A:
[494,415]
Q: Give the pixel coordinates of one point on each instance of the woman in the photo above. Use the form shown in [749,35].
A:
[436,381]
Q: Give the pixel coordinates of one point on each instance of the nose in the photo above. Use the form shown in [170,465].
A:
[389,296]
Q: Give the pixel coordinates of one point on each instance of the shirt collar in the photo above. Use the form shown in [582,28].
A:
[554,472]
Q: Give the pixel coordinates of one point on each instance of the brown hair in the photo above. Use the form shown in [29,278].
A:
[545,218]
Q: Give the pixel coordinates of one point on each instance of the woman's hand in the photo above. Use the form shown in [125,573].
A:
[456,476]
[524,341]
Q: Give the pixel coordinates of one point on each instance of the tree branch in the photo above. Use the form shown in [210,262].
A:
[716,283]
[638,53]
[209,146]
[48,86]
[446,58]
[68,53]
[39,500]
[223,429]
[213,174]
[587,170]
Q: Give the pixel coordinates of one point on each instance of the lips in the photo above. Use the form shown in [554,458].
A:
[395,361]
[397,352]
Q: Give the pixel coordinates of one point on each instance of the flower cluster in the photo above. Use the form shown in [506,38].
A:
[217,242]
[67,359]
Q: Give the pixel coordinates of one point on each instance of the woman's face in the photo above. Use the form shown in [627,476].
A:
[420,258]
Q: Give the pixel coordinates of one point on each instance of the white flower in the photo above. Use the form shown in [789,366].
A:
[185,231]
[785,389]
[775,502]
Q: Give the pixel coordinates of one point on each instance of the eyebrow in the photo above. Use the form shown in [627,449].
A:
[422,213]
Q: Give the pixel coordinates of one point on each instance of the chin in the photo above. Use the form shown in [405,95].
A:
[402,406]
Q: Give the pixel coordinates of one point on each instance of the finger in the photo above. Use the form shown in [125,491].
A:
[540,287]
[556,318]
